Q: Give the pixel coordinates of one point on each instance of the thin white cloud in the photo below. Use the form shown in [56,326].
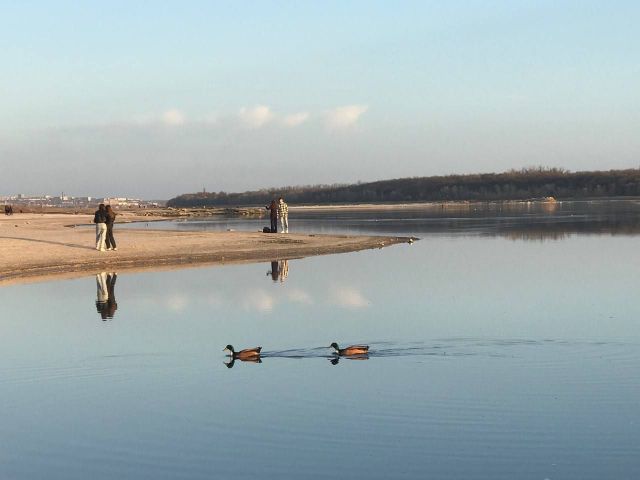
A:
[176,302]
[173,118]
[295,119]
[257,116]
[214,299]
[259,300]
[349,297]
[344,117]
[299,296]
[140,120]
[211,118]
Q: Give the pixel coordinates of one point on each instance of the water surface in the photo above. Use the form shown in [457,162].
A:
[492,356]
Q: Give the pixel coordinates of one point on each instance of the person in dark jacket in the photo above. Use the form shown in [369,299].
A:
[111,218]
[273,207]
[100,219]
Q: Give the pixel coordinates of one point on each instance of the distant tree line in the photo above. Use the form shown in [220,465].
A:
[528,183]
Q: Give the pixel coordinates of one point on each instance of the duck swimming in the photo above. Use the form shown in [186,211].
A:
[350,350]
[246,354]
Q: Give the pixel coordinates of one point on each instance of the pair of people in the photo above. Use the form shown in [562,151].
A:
[279,210]
[104,218]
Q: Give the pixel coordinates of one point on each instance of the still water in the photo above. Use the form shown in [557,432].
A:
[504,344]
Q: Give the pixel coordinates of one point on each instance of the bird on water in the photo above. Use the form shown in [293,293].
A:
[350,350]
[246,354]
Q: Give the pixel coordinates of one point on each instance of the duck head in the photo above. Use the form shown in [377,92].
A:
[230,348]
[334,345]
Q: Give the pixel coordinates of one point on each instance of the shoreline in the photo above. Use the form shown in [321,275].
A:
[155,214]
[40,247]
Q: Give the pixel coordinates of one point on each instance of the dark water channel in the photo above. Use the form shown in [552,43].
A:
[503,345]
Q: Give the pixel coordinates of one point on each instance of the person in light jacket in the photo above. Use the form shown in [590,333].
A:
[100,219]
[283,213]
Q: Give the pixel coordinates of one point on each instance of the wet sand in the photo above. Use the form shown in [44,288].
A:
[36,247]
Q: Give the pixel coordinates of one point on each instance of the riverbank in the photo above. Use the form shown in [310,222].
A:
[36,246]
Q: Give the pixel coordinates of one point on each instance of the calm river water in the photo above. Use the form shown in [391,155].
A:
[504,345]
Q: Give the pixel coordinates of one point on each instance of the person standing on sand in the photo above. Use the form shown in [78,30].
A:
[100,219]
[111,218]
[283,213]
[273,207]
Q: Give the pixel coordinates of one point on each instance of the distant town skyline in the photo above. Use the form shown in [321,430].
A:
[74,201]
[154,100]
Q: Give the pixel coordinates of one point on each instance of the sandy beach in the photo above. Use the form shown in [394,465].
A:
[36,247]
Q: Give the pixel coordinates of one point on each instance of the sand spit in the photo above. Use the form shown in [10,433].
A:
[36,247]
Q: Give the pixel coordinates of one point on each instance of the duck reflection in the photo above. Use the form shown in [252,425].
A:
[336,360]
[106,304]
[279,270]
[232,361]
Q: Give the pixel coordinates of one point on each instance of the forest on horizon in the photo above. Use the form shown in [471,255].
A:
[528,183]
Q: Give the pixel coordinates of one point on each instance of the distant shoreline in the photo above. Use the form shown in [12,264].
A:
[253,211]
[525,184]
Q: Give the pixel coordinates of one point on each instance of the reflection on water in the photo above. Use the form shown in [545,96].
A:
[106,304]
[535,221]
[279,270]
[336,359]
[489,359]
[231,361]
[447,347]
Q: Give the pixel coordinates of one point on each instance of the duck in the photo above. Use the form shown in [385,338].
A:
[246,354]
[350,350]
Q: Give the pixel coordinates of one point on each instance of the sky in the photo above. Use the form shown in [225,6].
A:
[154,99]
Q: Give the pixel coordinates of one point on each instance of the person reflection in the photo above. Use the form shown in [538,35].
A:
[275,270]
[279,270]
[284,270]
[106,304]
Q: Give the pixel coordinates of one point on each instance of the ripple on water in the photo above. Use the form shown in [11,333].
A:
[364,412]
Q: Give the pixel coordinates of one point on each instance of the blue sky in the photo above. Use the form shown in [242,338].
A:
[168,97]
